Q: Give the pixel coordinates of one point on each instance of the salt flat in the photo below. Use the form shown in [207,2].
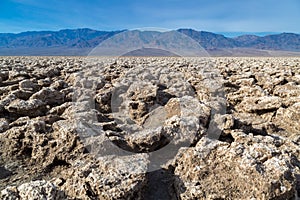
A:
[149,127]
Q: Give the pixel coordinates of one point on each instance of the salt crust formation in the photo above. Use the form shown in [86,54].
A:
[88,128]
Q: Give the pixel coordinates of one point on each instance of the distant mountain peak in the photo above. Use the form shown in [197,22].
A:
[84,39]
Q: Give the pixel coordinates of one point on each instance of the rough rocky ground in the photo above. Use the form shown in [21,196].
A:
[149,128]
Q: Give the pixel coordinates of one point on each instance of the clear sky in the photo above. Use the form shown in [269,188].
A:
[209,15]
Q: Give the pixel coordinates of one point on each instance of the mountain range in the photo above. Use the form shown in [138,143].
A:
[82,41]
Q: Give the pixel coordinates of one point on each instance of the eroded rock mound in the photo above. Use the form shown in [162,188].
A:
[251,167]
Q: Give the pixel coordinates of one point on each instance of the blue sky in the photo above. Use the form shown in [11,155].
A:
[210,15]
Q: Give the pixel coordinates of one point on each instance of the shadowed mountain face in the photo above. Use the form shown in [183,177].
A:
[210,40]
[83,41]
[246,40]
[283,41]
[80,38]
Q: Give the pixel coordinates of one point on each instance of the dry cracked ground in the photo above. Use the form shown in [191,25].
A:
[149,128]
